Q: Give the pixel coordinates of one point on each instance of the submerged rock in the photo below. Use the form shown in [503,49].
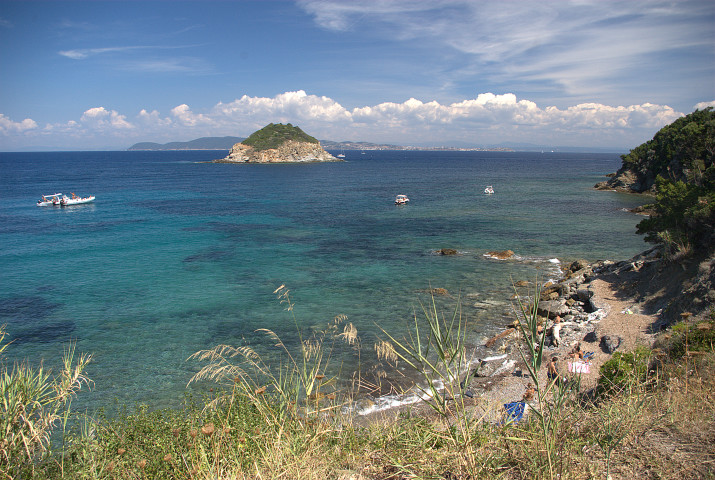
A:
[500,255]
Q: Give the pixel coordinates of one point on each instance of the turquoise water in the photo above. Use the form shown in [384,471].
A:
[176,256]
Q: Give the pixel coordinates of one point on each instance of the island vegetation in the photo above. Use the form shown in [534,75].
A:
[274,135]
[650,415]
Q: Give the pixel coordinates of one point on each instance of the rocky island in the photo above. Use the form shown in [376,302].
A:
[278,143]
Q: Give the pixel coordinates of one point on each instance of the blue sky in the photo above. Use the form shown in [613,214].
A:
[105,75]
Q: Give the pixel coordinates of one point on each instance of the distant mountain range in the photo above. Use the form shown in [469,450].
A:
[203,143]
[225,143]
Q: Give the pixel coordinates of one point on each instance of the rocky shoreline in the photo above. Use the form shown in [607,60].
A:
[598,308]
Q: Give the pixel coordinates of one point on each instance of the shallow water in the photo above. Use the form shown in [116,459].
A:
[176,256]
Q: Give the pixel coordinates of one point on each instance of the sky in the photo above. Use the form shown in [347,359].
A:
[93,75]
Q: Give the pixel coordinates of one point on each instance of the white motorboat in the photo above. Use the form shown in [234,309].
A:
[489,190]
[401,200]
[48,200]
[75,200]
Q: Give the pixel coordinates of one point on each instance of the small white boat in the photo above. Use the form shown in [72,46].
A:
[48,200]
[75,200]
[489,190]
[401,200]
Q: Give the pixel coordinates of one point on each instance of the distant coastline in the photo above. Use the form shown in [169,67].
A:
[226,143]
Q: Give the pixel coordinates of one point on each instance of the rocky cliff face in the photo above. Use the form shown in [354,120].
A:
[290,151]
[629,181]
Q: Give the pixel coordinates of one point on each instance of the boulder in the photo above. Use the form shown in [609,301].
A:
[578,265]
[553,308]
[447,251]
[590,337]
[609,343]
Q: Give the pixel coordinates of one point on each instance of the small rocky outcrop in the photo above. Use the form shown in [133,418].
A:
[500,255]
[447,251]
[628,181]
[290,152]
[278,143]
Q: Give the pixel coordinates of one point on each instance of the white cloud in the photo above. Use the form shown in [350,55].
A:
[99,117]
[185,116]
[82,53]
[152,119]
[297,105]
[485,119]
[704,105]
[8,126]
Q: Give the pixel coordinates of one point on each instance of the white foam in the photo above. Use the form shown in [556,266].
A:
[491,359]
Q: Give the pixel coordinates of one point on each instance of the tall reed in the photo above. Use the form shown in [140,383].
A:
[302,383]
[435,348]
[33,402]
[552,395]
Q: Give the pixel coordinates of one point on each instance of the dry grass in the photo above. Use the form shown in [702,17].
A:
[661,425]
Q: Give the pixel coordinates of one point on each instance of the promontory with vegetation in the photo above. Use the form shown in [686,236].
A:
[606,373]
[278,143]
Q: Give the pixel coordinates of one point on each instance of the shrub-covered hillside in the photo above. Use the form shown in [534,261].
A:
[679,159]
[274,135]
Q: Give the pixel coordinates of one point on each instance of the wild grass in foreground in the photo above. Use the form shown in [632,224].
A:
[655,420]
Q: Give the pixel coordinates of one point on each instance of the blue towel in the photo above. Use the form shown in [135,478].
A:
[588,356]
[514,411]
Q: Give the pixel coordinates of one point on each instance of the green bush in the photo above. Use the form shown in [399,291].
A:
[700,337]
[624,371]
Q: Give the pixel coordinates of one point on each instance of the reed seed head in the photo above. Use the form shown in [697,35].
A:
[121,451]
[167,457]
[208,429]
[260,391]
[141,464]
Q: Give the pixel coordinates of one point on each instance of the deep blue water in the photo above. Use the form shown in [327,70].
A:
[176,256]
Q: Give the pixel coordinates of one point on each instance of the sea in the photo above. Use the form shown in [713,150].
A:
[178,255]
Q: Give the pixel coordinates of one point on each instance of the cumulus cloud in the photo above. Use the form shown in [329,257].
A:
[8,126]
[99,117]
[486,118]
[152,118]
[185,116]
[297,105]
[703,105]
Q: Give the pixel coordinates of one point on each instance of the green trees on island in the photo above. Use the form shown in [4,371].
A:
[678,161]
[274,135]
